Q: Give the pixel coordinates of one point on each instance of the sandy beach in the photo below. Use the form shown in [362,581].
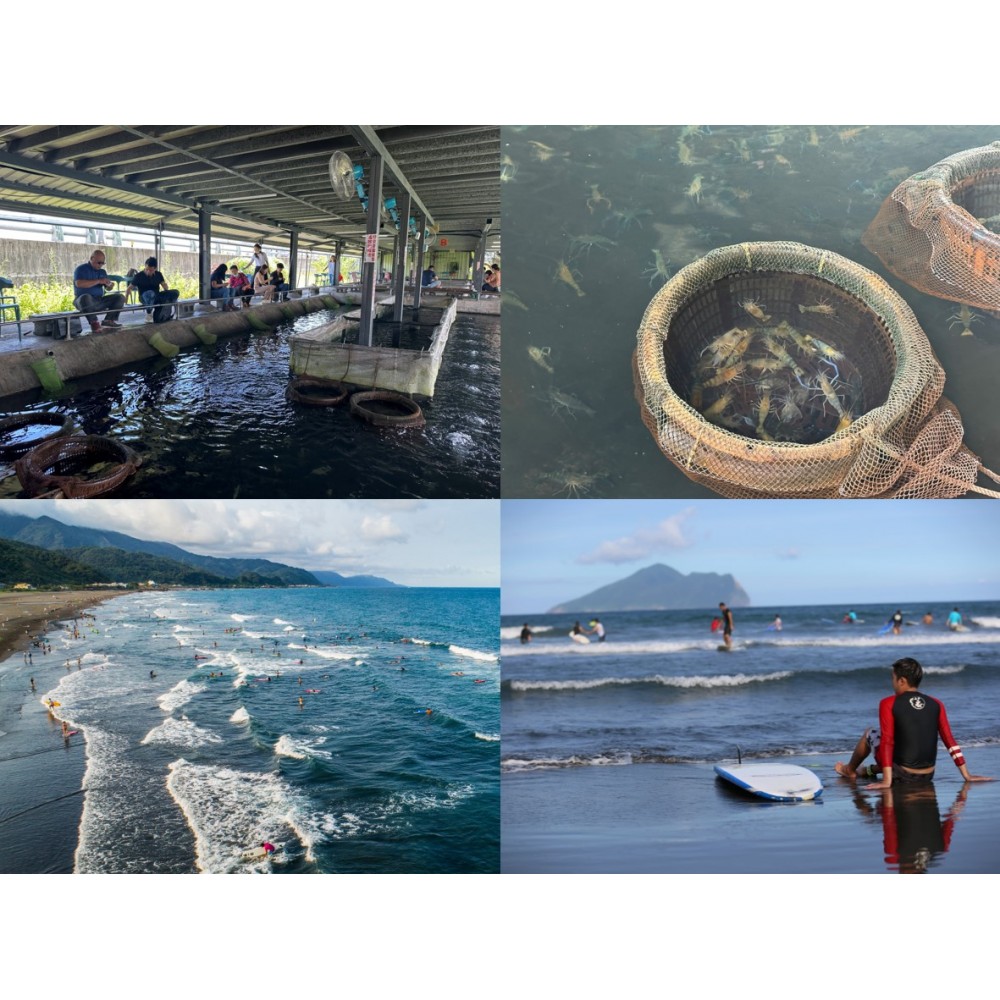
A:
[25,614]
[679,818]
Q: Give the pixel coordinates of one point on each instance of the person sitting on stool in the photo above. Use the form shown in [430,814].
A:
[153,290]
[89,282]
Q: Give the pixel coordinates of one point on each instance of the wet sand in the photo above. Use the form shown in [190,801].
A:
[25,614]
[41,774]
[680,818]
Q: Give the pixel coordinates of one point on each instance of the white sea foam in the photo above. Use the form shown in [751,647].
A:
[473,654]
[299,748]
[281,621]
[180,733]
[985,621]
[491,737]
[540,763]
[229,810]
[461,441]
[242,618]
[912,638]
[696,681]
[240,716]
[180,694]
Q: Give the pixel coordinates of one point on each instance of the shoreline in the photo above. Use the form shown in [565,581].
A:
[26,614]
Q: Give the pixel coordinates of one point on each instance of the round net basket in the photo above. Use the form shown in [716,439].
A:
[20,432]
[939,230]
[310,391]
[780,370]
[385,408]
[83,466]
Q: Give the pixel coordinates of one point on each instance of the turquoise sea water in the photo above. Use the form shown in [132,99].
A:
[390,763]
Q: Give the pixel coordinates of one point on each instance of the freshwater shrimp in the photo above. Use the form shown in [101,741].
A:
[763,410]
[752,306]
[660,268]
[832,398]
[826,350]
[823,308]
[725,375]
[540,355]
[715,410]
[596,198]
[733,343]
[565,275]
[684,157]
[508,169]
[543,152]
[694,189]
[966,317]
[850,134]
[813,136]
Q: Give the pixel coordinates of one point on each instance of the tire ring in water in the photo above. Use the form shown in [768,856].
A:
[15,421]
[336,392]
[409,415]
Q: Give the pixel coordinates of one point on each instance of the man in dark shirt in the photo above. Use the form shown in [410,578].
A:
[153,290]
[905,744]
[89,283]
[727,624]
[429,278]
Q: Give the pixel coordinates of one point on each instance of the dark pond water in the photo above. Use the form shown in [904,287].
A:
[214,422]
[617,208]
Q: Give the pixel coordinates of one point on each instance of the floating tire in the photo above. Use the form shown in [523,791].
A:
[385,408]
[82,466]
[310,391]
[14,422]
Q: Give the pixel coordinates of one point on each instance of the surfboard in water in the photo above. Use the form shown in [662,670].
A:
[778,782]
[577,637]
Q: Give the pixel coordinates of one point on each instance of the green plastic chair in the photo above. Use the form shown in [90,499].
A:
[7,302]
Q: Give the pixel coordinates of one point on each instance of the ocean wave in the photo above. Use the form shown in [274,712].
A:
[616,759]
[696,681]
[281,621]
[985,621]
[300,749]
[242,618]
[240,716]
[491,737]
[229,810]
[473,654]
[180,694]
[181,733]
[658,647]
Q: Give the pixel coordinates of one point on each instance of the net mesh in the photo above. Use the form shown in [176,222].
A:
[781,370]
[83,466]
[938,230]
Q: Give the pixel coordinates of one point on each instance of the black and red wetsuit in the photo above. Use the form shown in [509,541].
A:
[909,725]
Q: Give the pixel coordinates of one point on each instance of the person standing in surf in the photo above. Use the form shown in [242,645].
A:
[905,744]
[727,625]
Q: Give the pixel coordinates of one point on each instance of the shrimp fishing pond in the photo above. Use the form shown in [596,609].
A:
[598,219]
[214,423]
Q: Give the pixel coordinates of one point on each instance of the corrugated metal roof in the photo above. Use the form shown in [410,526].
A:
[259,181]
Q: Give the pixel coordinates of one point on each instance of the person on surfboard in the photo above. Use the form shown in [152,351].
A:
[727,624]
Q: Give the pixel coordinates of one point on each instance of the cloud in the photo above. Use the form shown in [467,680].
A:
[381,529]
[668,534]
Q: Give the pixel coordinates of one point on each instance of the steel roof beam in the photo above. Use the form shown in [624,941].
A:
[368,138]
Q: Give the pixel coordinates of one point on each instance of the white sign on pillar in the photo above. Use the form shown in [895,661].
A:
[371,247]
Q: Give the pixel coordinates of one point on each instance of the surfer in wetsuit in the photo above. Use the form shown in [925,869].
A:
[905,743]
[526,634]
[727,624]
[896,621]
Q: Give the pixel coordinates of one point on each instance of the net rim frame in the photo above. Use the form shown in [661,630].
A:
[882,300]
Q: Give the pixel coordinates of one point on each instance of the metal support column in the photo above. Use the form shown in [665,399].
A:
[336,260]
[477,264]
[158,243]
[419,269]
[370,258]
[293,258]
[204,251]
[402,242]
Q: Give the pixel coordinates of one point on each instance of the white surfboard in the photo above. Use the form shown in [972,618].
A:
[778,782]
[577,637]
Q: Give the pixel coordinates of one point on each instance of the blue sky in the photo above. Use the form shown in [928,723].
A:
[783,552]
[419,543]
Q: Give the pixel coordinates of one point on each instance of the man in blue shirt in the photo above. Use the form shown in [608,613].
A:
[153,291]
[89,283]
[429,279]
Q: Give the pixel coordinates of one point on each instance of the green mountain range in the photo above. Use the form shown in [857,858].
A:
[660,588]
